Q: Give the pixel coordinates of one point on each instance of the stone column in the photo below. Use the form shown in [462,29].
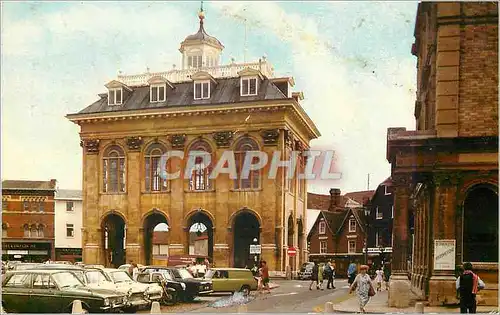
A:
[134,213]
[442,282]
[399,289]
[178,234]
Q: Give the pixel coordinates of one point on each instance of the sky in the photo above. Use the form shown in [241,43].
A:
[352,60]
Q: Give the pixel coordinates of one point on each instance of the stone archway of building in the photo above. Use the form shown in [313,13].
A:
[150,224]
[480,224]
[246,232]
[200,234]
[113,240]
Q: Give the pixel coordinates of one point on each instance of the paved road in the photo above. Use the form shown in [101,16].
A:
[291,296]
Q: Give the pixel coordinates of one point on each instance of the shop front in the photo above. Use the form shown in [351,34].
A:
[27,252]
[69,254]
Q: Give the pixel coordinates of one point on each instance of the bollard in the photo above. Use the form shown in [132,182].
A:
[328,307]
[242,308]
[155,308]
[77,307]
[419,308]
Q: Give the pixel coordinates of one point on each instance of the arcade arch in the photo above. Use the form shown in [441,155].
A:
[113,229]
[200,230]
[246,231]
[155,221]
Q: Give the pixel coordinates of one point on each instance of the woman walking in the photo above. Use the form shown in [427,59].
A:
[379,279]
[321,270]
[363,286]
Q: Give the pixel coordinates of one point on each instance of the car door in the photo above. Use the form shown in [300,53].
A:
[43,294]
[223,281]
[16,293]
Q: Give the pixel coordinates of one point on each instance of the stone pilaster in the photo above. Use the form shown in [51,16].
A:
[399,290]
[178,235]
[134,223]
[92,243]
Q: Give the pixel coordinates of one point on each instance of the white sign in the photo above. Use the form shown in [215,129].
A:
[255,249]
[444,254]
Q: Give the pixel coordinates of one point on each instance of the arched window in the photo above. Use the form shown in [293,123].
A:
[154,170]
[199,179]
[41,231]
[4,230]
[33,231]
[253,179]
[113,166]
[27,232]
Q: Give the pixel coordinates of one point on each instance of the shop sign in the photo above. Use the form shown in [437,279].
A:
[17,252]
[444,254]
[38,252]
[24,246]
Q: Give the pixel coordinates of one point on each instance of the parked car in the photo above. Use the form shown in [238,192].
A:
[305,272]
[232,280]
[53,291]
[194,286]
[155,274]
[140,295]
[127,266]
[24,266]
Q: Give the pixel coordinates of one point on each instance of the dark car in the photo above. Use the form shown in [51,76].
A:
[78,271]
[53,291]
[154,274]
[194,287]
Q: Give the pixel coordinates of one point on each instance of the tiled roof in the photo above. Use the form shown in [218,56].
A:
[226,91]
[29,185]
[68,194]
[360,196]
[334,219]
[318,202]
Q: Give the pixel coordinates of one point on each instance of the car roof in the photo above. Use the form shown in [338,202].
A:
[111,269]
[231,269]
[42,271]
[58,266]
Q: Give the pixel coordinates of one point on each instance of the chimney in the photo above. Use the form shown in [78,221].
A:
[53,183]
[334,198]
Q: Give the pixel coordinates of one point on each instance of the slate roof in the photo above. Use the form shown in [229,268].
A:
[226,91]
[28,185]
[334,219]
[360,197]
[202,35]
[68,194]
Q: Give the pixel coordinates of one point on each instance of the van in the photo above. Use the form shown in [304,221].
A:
[232,280]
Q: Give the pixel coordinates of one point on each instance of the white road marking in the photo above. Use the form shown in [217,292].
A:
[283,294]
[298,286]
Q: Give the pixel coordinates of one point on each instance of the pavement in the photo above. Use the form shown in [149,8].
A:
[378,305]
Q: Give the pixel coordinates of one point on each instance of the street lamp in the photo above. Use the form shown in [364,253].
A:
[367,224]
[255,243]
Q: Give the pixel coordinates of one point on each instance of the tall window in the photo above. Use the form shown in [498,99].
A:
[41,206]
[201,90]
[113,170]
[352,225]
[27,231]
[322,227]
[252,181]
[4,205]
[157,93]
[379,214]
[322,247]
[351,247]
[33,231]
[26,205]
[69,206]
[248,86]
[70,230]
[4,230]
[154,169]
[199,179]
[115,96]
[40,231]
[195,61]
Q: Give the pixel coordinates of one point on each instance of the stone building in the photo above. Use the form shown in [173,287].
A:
[445,173]
[68,225]
[28,220]
[208,107]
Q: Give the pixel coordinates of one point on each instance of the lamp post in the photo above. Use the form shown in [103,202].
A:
[255,256]
[367,224]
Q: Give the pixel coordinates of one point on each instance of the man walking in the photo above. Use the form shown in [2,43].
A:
[351,272]
[468,284]
[329,273]
[314,276]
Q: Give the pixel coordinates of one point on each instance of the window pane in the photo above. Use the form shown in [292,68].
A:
[197,90]
[161,90]
[200,61]
[205,90]
[253,86]
[154,94]
[118,96]
[156,249]
[190,62]
[156,178]
[244,88]
[111,97]
[255,179]
[148,177]
[105,175]
[122,175]
[113,175]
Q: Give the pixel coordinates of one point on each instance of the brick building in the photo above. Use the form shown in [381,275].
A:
[203,106]
[28,220]
[339,232]
[445,173]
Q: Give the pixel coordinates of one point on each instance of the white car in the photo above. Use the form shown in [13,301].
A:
[139,294]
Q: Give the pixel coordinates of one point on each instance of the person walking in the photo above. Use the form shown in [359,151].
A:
[321,275]
[314,276]
[468,284]
[329,274]
[351,272]
[379,278]
[265,276]
[387,276]
[363,286]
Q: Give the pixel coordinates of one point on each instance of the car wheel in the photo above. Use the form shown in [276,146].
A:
[245,290]
[189,298]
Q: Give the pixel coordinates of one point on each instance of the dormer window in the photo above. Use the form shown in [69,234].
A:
[248,86]
[201,90]
[115,96]
[157,93]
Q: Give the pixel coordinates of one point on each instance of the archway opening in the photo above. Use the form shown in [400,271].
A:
[201,235]
[246,231]
[156,231]
[480,236]
[290,232]
[113,240]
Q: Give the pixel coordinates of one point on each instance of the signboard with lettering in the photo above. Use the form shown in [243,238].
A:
[255,249]
[444,254]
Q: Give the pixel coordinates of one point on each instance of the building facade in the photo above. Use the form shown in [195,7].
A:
[203,107]
[28,220]
[445,173]
[68,225]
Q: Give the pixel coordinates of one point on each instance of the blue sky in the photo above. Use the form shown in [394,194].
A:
[352,60]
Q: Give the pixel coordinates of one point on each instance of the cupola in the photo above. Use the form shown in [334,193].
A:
[200,50]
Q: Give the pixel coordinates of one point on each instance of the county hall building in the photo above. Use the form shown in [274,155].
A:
[204,106]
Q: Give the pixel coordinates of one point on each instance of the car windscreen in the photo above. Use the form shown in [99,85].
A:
[210,273]
[66,279]
[95,277]
[120,276]
[165,273]
[182,273]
